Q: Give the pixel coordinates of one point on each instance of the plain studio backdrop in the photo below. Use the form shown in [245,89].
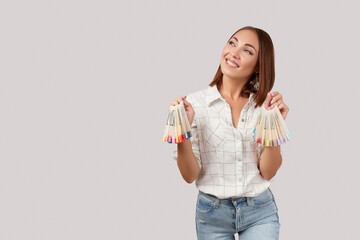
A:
[84,96]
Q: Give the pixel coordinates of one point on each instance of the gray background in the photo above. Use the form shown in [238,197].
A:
[85,87]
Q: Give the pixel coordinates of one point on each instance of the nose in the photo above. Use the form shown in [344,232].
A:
[234,55]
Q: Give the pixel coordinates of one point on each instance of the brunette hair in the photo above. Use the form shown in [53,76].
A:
[266,64]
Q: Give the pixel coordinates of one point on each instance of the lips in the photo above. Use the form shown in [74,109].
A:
[226,59]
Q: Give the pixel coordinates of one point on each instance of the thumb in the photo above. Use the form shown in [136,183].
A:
[186,103]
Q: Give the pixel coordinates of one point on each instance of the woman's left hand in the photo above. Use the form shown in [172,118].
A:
[275,98]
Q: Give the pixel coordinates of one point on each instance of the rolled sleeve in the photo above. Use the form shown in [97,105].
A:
[194,139]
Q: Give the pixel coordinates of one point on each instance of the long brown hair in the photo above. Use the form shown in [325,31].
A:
[266,64]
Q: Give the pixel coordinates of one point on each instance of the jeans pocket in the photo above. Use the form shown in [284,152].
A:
[263,199]
[272,195]
[204,205]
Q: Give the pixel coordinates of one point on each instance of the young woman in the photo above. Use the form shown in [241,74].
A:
[232,172]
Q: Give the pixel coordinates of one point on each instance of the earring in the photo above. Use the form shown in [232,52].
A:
[256,85]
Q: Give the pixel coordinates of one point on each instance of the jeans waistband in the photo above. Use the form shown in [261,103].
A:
[226,200]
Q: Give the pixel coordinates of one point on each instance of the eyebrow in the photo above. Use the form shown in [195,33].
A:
[246,44]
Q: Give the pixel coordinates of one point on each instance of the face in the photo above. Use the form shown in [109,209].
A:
[240,55]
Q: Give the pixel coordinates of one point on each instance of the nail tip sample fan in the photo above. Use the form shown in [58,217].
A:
[270,129]
[177,125]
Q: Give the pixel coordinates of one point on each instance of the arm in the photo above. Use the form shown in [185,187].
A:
[188,153]
[270,162]
[187,162]
[271,159]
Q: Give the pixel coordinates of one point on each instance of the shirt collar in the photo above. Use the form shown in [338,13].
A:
[213,94]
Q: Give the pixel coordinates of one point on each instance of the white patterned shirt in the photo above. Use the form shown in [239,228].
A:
[227,156]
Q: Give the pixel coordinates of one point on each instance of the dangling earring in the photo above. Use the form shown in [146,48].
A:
[256,85]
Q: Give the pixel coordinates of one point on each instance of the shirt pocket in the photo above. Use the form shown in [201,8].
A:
[214,132]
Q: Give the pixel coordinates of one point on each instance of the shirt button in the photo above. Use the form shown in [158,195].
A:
[242,120]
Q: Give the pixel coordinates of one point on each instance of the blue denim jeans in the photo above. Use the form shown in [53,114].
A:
[253,218]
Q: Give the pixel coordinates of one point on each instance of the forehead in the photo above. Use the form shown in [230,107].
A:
[247,36]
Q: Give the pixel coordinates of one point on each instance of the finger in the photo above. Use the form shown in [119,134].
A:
[275,99]
[186,103]
[280,106]
[178,100]
[181,99]
[175,102]
[284,107]
[274,94]
[276,103]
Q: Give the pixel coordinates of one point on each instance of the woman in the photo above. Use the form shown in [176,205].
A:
[232,172]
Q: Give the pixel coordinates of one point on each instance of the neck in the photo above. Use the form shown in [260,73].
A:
[230,88]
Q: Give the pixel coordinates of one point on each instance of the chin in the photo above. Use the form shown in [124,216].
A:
[229,73]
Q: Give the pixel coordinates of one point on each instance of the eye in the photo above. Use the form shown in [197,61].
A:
[249,52]
[231,42]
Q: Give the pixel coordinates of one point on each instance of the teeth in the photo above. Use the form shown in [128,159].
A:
[232,64]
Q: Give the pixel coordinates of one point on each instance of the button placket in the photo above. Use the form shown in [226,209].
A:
[238,156]
[243,115]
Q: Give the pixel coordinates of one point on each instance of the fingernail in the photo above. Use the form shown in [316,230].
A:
[272,101]
[272,94]
[268,108]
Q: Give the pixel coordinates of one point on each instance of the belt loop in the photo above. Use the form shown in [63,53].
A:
[250,201]
[216,203]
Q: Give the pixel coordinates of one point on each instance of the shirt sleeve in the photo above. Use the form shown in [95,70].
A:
[194,139]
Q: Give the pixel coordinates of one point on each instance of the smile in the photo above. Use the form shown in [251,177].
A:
[230,63]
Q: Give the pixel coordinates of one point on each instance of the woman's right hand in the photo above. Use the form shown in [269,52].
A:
[188,108]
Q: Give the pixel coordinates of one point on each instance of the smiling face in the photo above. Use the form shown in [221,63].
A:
[240,55]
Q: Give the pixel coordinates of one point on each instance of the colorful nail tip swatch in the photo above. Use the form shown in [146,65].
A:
[177,125]
[270,129]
